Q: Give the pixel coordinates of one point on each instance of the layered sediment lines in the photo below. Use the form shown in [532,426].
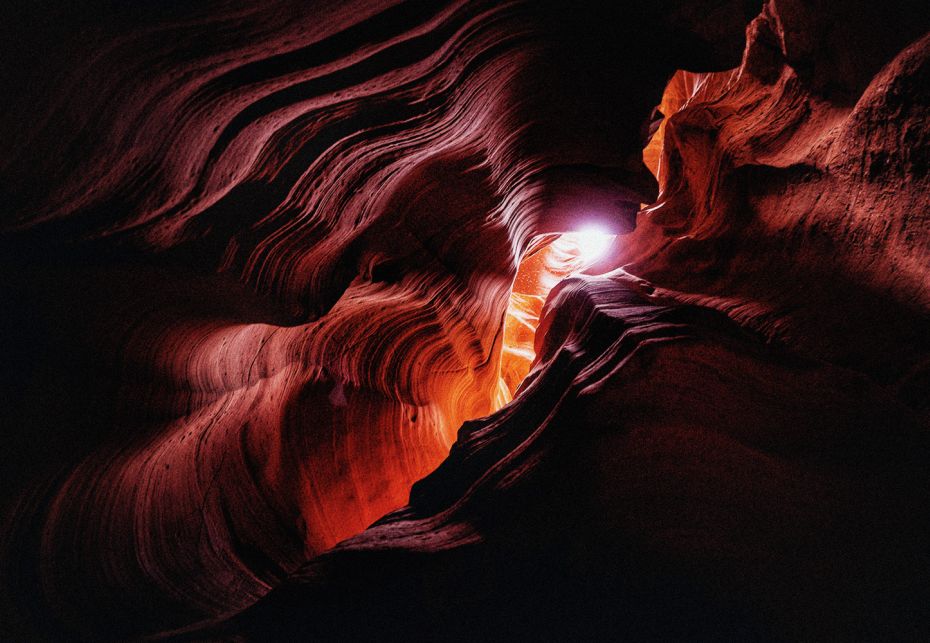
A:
[258,259]
[666,473]
[663,475]
[794,188]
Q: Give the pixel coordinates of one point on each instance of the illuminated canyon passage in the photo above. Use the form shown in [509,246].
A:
[469,320]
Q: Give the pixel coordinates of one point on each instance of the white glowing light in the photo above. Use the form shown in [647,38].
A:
[592,243]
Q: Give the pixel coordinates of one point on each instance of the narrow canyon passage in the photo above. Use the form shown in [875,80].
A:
[465,320]
[554,257]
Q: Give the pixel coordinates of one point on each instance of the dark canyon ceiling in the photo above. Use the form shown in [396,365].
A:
[298,344]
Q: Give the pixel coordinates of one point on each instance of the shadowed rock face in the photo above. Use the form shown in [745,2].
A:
[794,189]
[258,258]
[662,475]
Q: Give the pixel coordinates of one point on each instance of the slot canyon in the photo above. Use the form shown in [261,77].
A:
[465,320]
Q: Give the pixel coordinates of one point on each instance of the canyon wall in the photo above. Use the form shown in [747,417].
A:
[730,445]
[258,260]
[794,189]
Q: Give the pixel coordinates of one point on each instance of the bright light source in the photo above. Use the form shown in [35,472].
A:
[591,243]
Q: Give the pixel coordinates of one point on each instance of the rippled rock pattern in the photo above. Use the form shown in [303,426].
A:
[258,259]
[663,475]
[794,188]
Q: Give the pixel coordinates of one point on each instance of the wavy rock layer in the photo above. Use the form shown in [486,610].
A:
[665,474]
[794,188]
[258,259]
[662,475]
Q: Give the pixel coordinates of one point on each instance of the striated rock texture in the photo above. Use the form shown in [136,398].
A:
[794,189]
[258,259]
[663,475]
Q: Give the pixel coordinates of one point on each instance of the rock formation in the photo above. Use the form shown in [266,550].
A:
[262,381]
